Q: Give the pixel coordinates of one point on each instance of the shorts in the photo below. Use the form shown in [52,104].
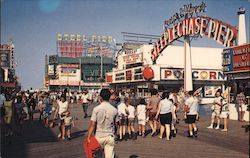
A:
[7,119]
[142,122]
[243,107]
[224,114]
[152,116]
[191,119]
[216,113]
[166,118]
[67,127]
[123,121]
[131,121]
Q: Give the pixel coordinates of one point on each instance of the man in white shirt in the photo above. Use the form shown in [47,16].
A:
[192,104]
[123,119]
[85,103]
[104,117]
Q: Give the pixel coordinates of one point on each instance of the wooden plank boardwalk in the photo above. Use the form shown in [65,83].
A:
[40,142]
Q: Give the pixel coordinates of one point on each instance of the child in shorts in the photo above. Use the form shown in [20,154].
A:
[141,116]
[68,120]
[131,118]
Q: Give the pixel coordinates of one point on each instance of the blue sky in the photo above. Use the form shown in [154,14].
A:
[33,24]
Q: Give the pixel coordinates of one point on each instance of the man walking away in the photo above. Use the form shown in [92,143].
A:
[103,118]
[85,102]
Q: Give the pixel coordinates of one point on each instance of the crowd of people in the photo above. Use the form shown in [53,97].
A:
[52,108]
[117,115]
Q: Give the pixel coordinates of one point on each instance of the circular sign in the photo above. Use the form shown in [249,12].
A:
[148,73]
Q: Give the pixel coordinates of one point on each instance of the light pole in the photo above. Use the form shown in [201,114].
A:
[80,66]
[101,65]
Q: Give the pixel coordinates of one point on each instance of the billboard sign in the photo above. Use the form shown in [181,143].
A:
[5,59]
[51,70]
[77,45]
[5,52]
[68,72]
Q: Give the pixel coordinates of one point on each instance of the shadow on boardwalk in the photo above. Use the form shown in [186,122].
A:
[38,142]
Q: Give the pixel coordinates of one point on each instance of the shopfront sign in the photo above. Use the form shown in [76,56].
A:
[241,58]
[236,59]
[132,58]
[178,74]
[188,23]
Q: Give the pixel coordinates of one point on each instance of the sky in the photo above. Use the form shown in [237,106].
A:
[33,25]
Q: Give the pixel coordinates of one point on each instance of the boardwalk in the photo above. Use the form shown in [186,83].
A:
[38,142]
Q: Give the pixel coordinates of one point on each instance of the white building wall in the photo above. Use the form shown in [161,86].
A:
[173,56]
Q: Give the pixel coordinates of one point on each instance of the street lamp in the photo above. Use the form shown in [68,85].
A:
[80,66]
[100,50]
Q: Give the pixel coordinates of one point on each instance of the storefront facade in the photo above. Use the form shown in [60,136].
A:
[136,72]
[76,73]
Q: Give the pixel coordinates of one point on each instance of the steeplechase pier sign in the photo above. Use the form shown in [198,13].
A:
[185,12]
[221,32]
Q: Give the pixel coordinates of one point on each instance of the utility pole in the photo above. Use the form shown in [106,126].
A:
[101,65]
[80,66]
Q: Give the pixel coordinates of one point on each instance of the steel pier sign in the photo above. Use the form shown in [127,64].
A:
[221,32]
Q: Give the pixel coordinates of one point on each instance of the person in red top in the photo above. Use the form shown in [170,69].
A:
[152,107]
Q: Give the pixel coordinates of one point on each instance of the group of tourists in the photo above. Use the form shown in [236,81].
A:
[52,109]
[117,114]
